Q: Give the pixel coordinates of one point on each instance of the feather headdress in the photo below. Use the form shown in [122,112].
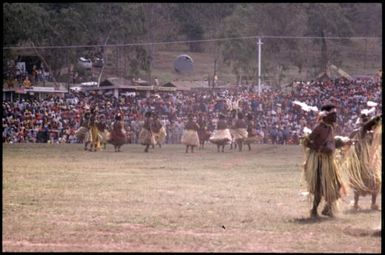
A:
[368,111]
[306,107]
[371,104]
[307,131]
[342,138]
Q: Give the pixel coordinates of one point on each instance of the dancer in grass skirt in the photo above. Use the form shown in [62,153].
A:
[145,136]
[221,136]
[362,162]
[203,132]
[239,131]
[190,135]
[103,131]
[94,131]
[118,133]
[158,131]
[231,119]
[252,136]
[82,134]
[321,172]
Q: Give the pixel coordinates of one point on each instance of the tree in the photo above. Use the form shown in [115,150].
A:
[187,15]
[365,18]
[326,20]
[262,19]
[211,17]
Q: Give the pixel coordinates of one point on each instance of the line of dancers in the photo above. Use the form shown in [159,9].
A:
[231,130]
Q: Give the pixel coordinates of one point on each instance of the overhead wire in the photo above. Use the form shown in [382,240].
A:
[190,41]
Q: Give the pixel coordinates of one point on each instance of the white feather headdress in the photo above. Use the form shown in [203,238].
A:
[371,104]
[342,138]
[367,111]
[307,131]
[306,107]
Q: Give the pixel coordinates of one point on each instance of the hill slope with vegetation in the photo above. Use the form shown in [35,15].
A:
[299,39]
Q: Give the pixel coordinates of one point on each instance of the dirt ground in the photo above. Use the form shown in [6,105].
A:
[60,198]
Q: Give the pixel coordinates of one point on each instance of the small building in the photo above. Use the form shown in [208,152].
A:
[16,93]
[120,86]
[167,87]
[114,85]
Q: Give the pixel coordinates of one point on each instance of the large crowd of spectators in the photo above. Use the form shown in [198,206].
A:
[278,120]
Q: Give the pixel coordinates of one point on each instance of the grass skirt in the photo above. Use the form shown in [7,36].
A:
[95,137]
[239,133]
[362,165]
[221,136]
[146,137]
[104,136]
[332,184]
[160,137]
[118,137]
[376,151]
[190,137]
[82,134]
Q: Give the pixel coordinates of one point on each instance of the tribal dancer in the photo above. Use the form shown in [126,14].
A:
[94,131]
[190,135]
[118,134]
[158,131]
[239,131]
[221,136]
[145,136]
[363,162]
[232,118]
[103,131]
[82,133]
[320,169]
[252,137]
[203,133]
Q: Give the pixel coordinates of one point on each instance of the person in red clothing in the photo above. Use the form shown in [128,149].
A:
[118,134]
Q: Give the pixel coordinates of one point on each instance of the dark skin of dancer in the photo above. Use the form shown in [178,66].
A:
[320,131]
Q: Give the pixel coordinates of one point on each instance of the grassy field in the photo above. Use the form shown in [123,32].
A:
[62,198]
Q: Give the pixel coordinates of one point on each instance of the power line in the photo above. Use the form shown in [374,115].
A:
[190,41]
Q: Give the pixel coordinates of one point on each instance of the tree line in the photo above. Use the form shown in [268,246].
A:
[41,24]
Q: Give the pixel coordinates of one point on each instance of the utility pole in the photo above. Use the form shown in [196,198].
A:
[259,43]
[366,53]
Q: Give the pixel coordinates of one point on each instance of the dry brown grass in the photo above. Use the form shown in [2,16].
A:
[61,198]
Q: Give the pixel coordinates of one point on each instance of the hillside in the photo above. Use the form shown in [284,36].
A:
[354,62]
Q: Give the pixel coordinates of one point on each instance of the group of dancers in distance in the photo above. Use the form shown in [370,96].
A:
[230,130]
[95,133]
[233,130]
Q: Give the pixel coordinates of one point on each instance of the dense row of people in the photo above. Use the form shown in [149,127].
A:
[275,119]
